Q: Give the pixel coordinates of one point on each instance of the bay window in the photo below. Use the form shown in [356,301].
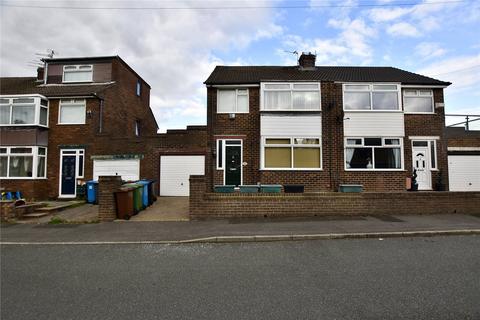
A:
[371,97]
[291,97]
[72,111]
[292,153]
[373,153]
[418,101]
[23,162]
[78,73]
[21,110]
[232,101]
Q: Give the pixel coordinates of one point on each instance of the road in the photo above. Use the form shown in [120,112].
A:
[397,278]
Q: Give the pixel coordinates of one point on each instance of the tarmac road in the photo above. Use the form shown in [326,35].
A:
[396,278]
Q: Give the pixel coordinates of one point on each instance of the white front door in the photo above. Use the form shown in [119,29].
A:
[421,164]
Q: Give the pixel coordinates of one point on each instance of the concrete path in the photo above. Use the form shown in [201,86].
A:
[241,230]
[165,209]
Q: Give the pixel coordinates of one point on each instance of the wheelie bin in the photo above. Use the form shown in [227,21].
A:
[146,191]
[137,196]
[124,202]
[92,191]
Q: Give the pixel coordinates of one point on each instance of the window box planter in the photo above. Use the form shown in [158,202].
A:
[249,189]
[350,188]
[271,188]
[293,188]
[224,189]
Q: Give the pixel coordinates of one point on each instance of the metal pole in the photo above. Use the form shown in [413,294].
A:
[466,124]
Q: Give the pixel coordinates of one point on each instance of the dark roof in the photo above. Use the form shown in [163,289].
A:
[29,85]
[460,133]
[257,74]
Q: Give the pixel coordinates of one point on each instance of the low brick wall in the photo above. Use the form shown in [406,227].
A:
[215,205]
[7,210]
[107,185]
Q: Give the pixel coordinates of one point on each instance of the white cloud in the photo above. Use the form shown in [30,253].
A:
[403,29]
[462,71]
[172,50]
[387,14]
[428,50]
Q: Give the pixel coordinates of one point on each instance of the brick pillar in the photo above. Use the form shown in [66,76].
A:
[197,192]
[107,185]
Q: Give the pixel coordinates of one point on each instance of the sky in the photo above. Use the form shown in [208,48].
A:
[175,45]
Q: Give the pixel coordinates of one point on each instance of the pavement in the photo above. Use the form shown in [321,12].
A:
[397,278]
[165,209]
[242,229]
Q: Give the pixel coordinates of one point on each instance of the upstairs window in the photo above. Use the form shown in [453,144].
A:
[78,73]
[291,97]
[72,111]
[418,101]
[371,97]
[23,111]
[137,128]
[232,101]
[138,88]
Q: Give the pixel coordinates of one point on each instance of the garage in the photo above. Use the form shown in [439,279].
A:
[128,169]
[464,172]
[175,173]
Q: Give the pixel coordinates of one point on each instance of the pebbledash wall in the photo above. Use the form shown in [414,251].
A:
[205,204]
[247,127]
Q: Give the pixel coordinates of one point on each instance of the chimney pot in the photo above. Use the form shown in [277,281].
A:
[307,60]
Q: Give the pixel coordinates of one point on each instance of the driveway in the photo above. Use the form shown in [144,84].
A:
[165,209]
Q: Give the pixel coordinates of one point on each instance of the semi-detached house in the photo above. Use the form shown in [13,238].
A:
[322,126]
[78,119]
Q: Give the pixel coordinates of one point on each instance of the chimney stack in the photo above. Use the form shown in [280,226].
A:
[40,73]
[307,60]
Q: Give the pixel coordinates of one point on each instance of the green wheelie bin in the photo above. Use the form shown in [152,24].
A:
[137,196]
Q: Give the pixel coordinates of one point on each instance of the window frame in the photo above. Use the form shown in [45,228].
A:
[371,91]
[236,100]
[138,88]
[37,103]
[292,146]
[291,90]
[35,157]
[417,95]
[63,102]
[383,146]
[77,69]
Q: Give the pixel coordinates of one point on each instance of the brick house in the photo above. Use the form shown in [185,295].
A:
[325,126]
[78,119]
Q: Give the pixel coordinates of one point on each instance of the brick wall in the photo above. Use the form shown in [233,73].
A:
[205,205]
[107,185]
[247,128]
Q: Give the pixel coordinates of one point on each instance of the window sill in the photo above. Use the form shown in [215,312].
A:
[291,110]
[20,178]
[24,125]
[374,170]
[233,112]
[376,111]
[431,113]
[70,124]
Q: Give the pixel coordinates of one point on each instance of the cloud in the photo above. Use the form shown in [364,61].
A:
[403,29]
[462,71]
[428,50]
[384,14]
[174,51]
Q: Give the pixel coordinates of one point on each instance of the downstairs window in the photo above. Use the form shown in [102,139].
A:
[292,153]
[373,153]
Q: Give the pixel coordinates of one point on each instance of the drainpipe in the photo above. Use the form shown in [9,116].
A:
[100,114]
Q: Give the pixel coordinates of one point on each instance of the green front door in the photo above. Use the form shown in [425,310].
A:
[233,165]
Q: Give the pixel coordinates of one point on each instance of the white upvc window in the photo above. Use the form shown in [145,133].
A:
[78,73]
[418,101]
[374,153]
[432,147]
[291,153]
[23,110]
[232,101]
[72,111]
[22,162]
[371,97]
[297,96]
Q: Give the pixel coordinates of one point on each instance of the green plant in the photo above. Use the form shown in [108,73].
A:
[57,220]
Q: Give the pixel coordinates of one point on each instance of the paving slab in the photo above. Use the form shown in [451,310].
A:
[189,230]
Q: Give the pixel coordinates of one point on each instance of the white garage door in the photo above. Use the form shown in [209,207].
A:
[175,172]
[464,173]
[128,169]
